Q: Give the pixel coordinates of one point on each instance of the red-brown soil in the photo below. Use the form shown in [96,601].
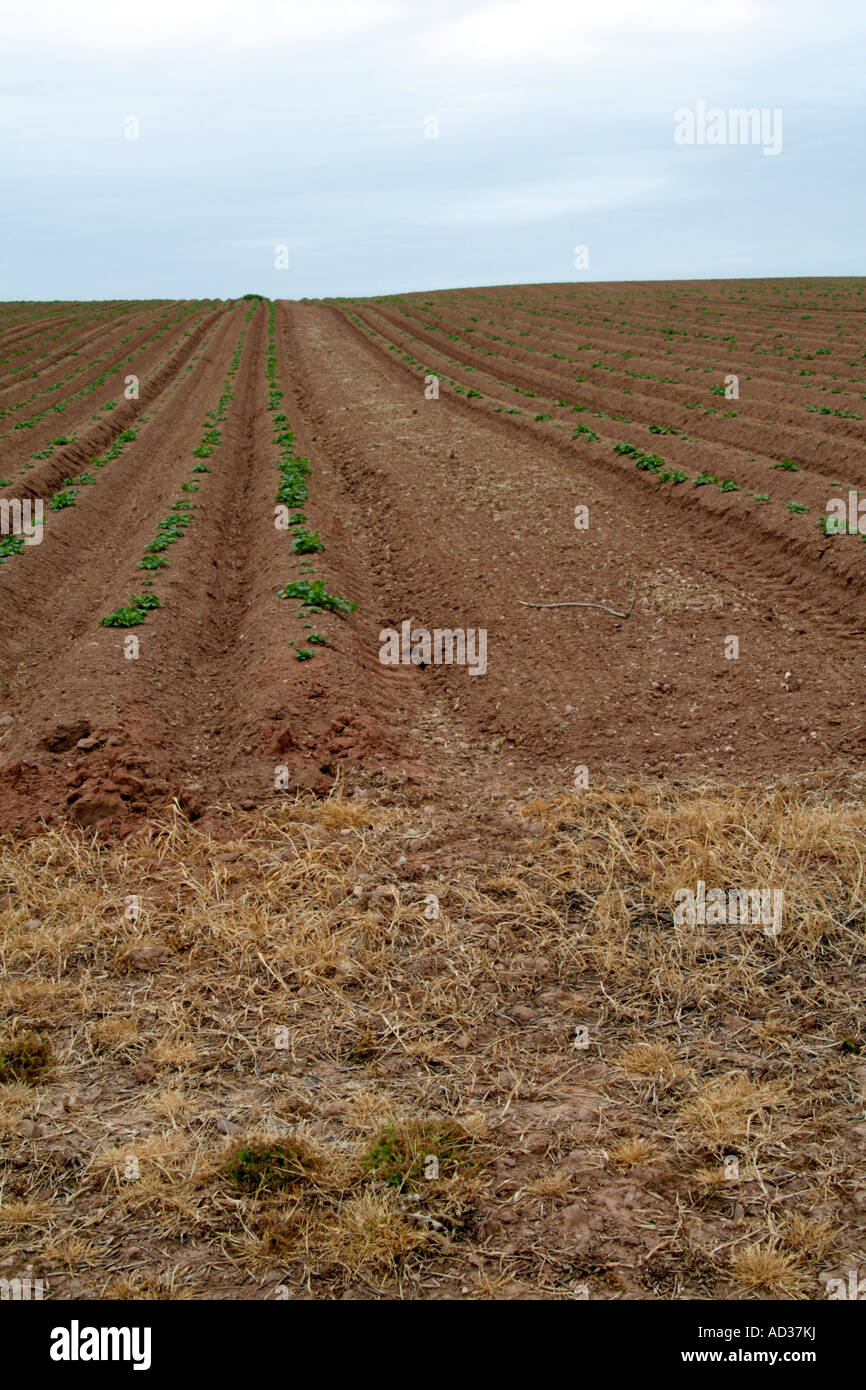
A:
[448,513]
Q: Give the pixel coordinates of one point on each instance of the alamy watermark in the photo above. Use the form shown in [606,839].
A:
[738,125]
[841,518]
[851,1288]
[715,907]
[22,1290]
[77,1343]
[22,518]
[444,646]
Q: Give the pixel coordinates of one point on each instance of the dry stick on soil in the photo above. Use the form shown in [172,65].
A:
[573,603]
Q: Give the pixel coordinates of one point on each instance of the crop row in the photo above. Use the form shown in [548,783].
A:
[175,523]
[648,462]
[640,403]
[462,331]
[292,493]
[59,441]
[71,334]
[60,406]
[67,494]
[655,464]
[458,333]
[19,336]
[659,306]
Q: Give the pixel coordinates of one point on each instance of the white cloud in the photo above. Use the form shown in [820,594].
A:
[534,201]
[512,34]
[233,29]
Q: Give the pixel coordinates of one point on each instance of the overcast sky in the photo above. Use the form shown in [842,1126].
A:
[266,123]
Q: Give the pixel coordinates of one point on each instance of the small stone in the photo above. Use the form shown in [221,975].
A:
[63,1158]
[33,924]
[335,1107]
[100,806]
[5,719]
[29,1129]
[147,957]
[85,744]
[586,1113]
[574,1220]
[384,890]
[71,1103]
[227,1127]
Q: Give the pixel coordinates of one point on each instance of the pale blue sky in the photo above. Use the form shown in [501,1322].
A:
[266,123]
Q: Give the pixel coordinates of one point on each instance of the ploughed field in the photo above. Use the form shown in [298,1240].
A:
[582,449]
[329,976]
